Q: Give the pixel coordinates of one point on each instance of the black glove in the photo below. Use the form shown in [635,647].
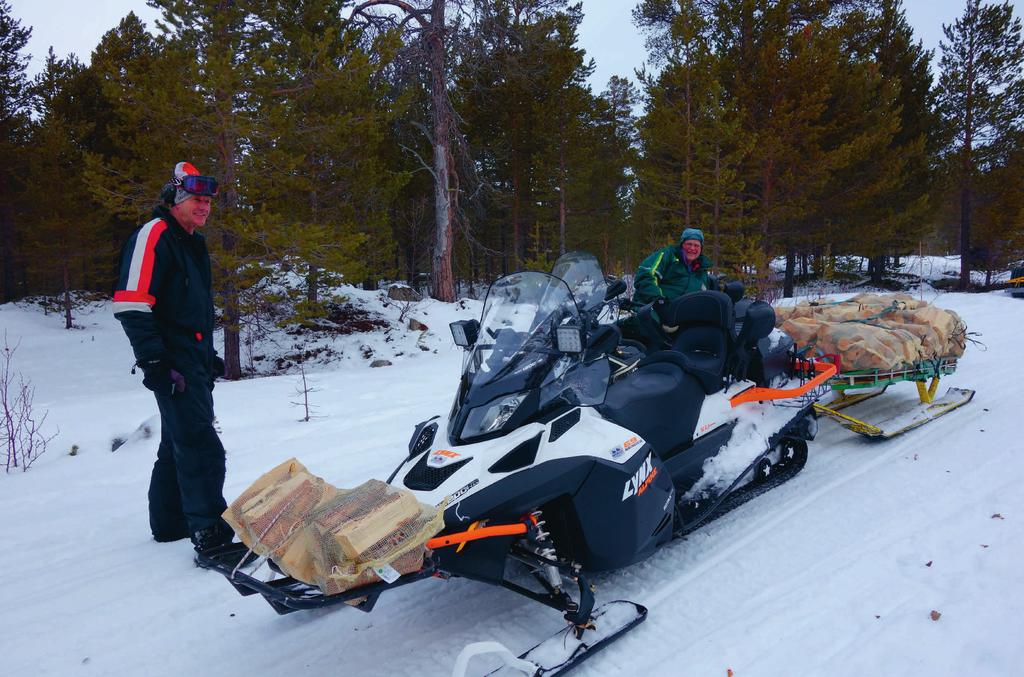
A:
[660,309]
[160,378]
[218,366]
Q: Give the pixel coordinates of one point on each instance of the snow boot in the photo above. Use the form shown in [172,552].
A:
[213,536]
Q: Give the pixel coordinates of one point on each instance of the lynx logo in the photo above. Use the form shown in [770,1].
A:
[442,457]
[641,479]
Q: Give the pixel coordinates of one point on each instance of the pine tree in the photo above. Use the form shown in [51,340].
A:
[318,156]
[218,34]
[980,96]
[66,237]
[14,125]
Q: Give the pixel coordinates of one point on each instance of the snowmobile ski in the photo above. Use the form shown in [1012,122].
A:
[563,651]
[896,420]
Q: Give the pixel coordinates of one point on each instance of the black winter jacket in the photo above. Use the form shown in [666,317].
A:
[163,297]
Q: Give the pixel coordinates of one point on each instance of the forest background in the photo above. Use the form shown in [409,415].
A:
[446,142]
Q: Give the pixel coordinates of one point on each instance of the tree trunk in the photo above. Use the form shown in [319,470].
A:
[229,284]
[715,246]
[965,181]
[787,289]
[561,196]
[443,284]
[312,283]
[67,294]
[876,267]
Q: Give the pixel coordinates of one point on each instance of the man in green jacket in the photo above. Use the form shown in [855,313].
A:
[674,271]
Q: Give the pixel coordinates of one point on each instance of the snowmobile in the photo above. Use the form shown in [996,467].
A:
[1016,283]
[568,452]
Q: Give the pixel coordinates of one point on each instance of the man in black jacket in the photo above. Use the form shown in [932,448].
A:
[164,302]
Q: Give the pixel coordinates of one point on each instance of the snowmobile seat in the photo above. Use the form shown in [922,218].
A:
[705,320]
[758,323]
[660,401]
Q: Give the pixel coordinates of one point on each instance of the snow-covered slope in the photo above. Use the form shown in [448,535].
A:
[836,572]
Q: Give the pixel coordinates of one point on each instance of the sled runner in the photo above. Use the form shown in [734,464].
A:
[854,406]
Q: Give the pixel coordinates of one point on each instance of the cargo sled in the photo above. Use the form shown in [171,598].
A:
[878,342]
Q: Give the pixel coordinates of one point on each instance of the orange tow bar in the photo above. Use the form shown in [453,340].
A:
[826,370]
[476,535]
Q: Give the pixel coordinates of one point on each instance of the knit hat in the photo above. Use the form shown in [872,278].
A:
[692,234]
[178,190]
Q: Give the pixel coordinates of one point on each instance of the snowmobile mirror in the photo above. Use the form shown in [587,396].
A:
[615,288]
[465,332]
[569,338]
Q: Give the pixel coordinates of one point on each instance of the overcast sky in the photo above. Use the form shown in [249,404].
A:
[607,34]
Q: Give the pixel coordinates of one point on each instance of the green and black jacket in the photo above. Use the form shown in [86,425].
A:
[665,274]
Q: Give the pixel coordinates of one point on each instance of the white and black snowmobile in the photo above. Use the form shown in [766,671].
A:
[568,451]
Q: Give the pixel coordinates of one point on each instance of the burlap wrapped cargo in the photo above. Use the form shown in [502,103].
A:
[870,331]
[334,538]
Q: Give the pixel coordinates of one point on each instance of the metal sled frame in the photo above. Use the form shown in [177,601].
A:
[925,375]
[287,594]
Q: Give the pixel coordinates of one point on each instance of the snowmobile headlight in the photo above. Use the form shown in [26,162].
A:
[491,416]
[465,332]
[569,338]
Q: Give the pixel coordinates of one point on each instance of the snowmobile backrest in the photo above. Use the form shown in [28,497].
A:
[734,290]
[705,320]
[758,322]
[702,308]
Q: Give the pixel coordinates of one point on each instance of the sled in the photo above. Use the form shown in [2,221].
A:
[1016,284]
[862,413]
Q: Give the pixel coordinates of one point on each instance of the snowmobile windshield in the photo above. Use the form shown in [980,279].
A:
[581,272]
[515,369]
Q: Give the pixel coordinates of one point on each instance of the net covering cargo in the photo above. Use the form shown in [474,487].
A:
[875,331]
[336,539]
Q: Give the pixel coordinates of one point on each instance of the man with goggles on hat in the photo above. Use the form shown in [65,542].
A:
[165,304]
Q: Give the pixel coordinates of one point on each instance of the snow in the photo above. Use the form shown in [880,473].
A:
[835,572]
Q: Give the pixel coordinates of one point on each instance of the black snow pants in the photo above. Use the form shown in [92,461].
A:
[187,485]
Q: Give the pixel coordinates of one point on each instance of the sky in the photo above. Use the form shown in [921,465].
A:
[607,34]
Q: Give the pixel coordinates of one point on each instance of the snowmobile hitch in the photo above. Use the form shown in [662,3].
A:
[824,370]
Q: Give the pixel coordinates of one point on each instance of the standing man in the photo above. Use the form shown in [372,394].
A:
[674,271]
[165,304]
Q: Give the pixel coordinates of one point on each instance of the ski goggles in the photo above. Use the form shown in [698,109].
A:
[199,185]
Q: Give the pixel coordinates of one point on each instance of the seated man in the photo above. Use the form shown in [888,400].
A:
[663,276]
[674,271]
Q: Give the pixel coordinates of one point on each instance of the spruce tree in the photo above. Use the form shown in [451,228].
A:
[981,97]
[14,126]
[66,238]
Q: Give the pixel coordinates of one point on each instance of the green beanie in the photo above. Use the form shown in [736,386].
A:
[692,234]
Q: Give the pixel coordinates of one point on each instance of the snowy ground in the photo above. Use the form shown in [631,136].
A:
[836,572]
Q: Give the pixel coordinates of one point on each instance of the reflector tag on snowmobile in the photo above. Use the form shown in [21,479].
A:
[442,457]
[641,479]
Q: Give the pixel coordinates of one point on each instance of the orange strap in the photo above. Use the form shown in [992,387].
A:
[476,534]
[826,370]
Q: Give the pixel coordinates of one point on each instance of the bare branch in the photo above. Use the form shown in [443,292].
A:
[418,14]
